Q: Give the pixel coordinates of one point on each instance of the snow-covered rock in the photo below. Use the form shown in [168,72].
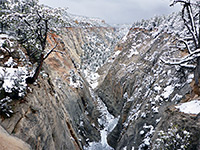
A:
[192,107]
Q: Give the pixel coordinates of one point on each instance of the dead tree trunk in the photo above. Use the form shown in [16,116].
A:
[31,80]
[38,69]
[197,72]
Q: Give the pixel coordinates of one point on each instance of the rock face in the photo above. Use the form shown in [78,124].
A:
[9,142]
[59,111]
[139,87]
[184,125]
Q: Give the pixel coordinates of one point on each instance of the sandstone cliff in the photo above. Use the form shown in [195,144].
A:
[8,142]
[58,111]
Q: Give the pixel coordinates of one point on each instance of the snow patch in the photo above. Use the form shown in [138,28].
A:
[117,53]
[157,88]
[10,62]
[147,140]
[168,91]
[190,78]
[192,107]
[92,78]
[133,51]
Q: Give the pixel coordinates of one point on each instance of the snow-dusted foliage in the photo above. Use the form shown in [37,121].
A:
[27,23]
[12,76]
[173,138]
[146,141]
[13,84]
[5,108]
[14,80]
[30,23]
[169,24]
[97,51]
[75,80]
[82,21]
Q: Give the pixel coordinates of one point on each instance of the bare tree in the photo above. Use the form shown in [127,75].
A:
[191,17]
[30,23]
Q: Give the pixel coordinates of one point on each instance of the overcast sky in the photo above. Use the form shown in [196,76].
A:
[115,11]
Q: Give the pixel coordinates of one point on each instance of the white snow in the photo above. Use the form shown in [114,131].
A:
[92,78]
[14,78]
[125,96]
[75,80]
[10,62]
[157,98]
[147,140]
[124,38]
[192,107]
[158,120]
[125,148]
[133,51]
[157,88]
[76,84]
[190,78]
[1,42]
[168,91]
[142,132]
[117,53]
[155,109]
[130,99]
[2,38]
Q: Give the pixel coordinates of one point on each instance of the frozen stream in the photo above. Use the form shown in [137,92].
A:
[107,121]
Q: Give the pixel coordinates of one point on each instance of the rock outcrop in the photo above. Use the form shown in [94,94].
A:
[8,142]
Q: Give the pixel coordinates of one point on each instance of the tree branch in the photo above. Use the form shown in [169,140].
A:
[50,51]
[186,44]
[191,18]
[189,29]
[182,1]
[183,60]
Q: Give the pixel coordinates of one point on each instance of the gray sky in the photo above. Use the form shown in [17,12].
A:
[115,11]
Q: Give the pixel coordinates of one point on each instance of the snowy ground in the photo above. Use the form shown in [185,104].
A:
[192,107]
[91,77]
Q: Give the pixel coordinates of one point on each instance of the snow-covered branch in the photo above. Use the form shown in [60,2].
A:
[183,2]
[186,45]
[189,18]
[183,60]
[190,29]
